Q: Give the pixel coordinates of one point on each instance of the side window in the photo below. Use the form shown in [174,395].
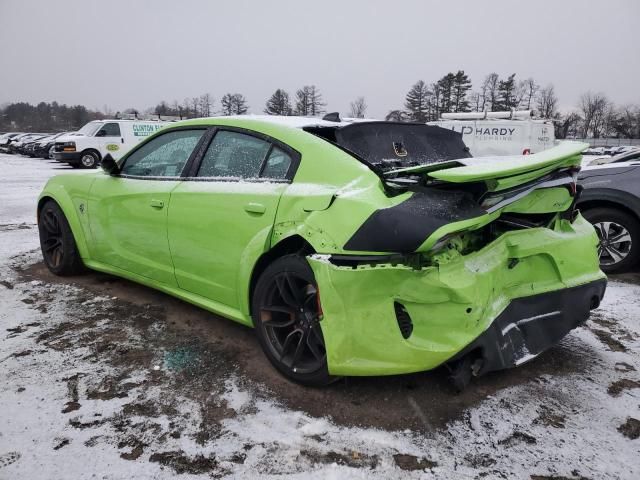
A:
[233,154]
[164,156]
[109,130]
[277,164]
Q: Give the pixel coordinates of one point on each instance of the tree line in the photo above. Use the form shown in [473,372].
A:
[594,116]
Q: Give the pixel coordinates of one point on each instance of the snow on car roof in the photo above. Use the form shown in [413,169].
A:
[294,121]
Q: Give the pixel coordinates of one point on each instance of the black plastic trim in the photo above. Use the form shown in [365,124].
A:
[404,227]
[531,325]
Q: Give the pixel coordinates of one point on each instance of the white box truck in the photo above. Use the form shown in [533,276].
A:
[500,133]
[86,147]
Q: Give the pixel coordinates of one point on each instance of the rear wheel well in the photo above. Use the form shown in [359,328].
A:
[292,244]
[591,204]
[92,150]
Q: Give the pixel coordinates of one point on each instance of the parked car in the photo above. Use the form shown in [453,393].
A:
[7,139]
[20,146]
[627,155]
[86,147]
[367,248]
[44,148]
[611,201]
[18,143]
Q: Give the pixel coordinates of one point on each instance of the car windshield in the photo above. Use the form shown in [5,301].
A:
[390,145]
[90,128]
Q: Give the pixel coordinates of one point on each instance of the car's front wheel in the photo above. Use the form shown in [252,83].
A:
[619,235]
[287,313]
[58,246]
[89,159]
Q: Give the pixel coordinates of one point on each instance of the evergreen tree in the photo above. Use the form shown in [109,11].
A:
[417,102]
[278,104]
[445,91]
[506,94]
[234,104]
[309,101]
[461,87]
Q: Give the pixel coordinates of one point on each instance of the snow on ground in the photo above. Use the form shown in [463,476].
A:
[88,392]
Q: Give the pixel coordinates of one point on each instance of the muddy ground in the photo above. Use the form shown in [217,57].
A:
[190,353]
[103,378]
[205,348]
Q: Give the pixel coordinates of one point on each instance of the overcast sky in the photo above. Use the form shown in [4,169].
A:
[125,53]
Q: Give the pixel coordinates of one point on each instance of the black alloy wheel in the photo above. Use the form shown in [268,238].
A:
[58,246]
[287,316]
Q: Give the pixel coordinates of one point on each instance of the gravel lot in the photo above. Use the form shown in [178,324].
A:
[102,378]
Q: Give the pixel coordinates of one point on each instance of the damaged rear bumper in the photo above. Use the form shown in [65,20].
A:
[531,325]
[507,302]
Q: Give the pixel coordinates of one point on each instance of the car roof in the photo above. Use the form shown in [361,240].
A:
[285,121]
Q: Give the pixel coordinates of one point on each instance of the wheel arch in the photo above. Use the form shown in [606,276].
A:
[292,244]
[92,150]
[603,198]
[66,205]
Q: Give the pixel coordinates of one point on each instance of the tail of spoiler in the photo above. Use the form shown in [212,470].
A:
[500,172]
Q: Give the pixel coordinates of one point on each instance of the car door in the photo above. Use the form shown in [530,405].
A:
[110,139]
[128,212]
[223,216]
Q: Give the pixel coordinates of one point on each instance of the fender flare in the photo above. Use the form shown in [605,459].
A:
[625,200]
[58,194]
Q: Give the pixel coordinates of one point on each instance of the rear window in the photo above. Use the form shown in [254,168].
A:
[388,145]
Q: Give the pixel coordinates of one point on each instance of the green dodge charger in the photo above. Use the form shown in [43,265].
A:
[352,247]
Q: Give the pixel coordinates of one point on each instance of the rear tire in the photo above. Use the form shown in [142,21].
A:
[619,234]
[58,246]
[89,159]
[286,315]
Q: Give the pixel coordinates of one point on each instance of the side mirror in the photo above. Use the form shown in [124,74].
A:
[101,133]
[109,165]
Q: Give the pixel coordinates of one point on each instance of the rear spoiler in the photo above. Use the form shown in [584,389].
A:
[465,170]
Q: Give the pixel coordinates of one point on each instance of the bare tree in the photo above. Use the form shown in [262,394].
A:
[489,91]
[205,102]
[475,99]
[595,109]
[195,106]
[309,101]
[547,102]
[358,108]
[397,116]
[625,122]
[526,93]
[567,125]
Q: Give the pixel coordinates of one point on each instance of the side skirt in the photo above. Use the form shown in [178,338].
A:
[192,298]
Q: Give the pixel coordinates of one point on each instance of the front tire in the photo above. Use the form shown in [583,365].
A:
[58,246]
[286,314]
[619,235]
[89,159]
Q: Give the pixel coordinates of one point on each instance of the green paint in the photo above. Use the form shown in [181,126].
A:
[202,247]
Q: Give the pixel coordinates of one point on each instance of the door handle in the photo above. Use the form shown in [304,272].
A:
[121,139]
[157,203]
[255,208]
